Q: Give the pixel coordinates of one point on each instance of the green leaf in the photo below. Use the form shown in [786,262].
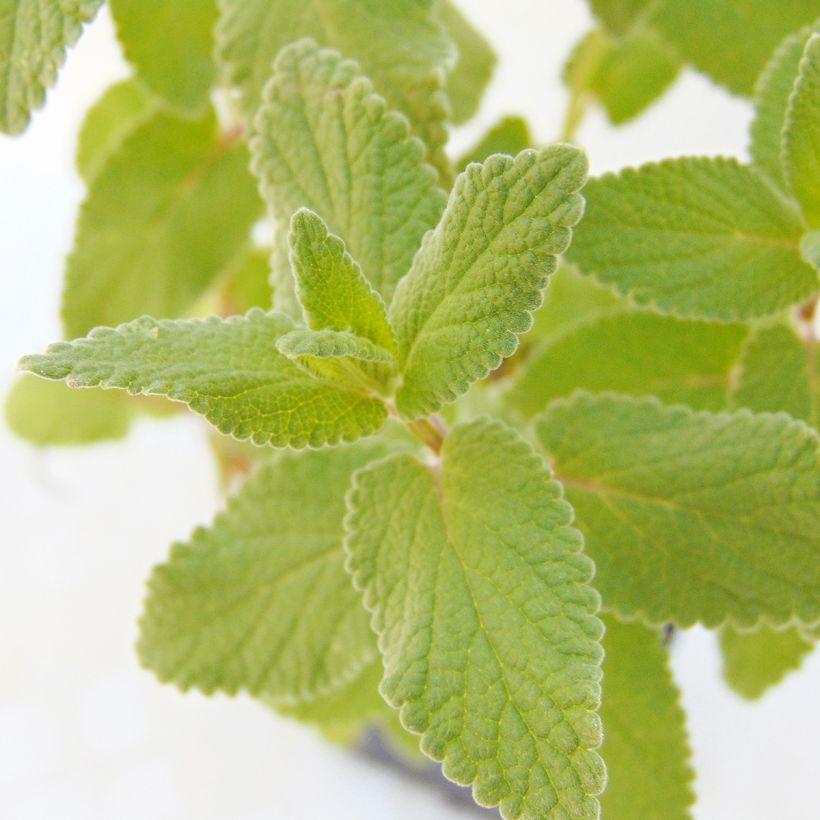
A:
[645,743]
[49,413]
[755,661]
[479,595]
[400,45]
[510,135]
[691,516]
[226,370]
[801,135]
[260,600]
[633,352]
[246,284]
[163,218]
[619,16]
[810,247]
[170,43]
[473,69]
[698,237]
[122,109]
[325,141]
[34,36]
[771,101]
[331,287]
[481,273]
[779,371]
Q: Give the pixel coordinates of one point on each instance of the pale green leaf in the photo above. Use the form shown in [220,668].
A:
[645,743]
[755,661]
[399,44]
[619,16]
[170,43]
[163,218]
[478,590]
[510,135]
[325,141]
[34,35]
[699,237]
[801,135]
[633,352]
[260,600]
[810,247]
[117,113]
[246,284]
[474,67]
[691,516]
[228,371]
[779,371]
[481,273]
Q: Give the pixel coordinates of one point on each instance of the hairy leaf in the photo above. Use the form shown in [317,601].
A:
[478,590]
[510,135]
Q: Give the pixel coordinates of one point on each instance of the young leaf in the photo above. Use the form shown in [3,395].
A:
[691,516]
[34,35]
[163,217]
[632,352]
[400,45]
[645,743]
[325,141]
[260,600]
[510,135]
[705,238]
[170,43]
[801,135]
[228,371]
[755,661]
[478,590]
[481,273]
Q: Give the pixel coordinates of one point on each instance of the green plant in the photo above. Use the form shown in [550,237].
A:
[431,567]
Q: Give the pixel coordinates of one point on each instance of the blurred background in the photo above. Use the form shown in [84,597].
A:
[84,732]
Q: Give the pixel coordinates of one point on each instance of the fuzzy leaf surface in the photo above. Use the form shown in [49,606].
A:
[481,273]
[691,516]
[478,589]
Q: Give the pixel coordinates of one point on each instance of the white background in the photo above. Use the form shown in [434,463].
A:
[84,733]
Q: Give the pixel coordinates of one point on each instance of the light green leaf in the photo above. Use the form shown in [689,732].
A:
[645,743]
[474,67]
[619,16]
[246,284]
[633,352]
[34,35]
[801,135]
[163,218]
[755,661]
[260,600]
[226,370]
[478,590]
[481,273]
[117,113]
[779,371]
[771,101]
[510,135]
[49,413]
[325,141]
[400,45]
[810,247]
[691,516]
[698,237]
[331,287]
[170,43]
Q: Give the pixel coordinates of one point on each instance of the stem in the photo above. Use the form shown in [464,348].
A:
[430,431]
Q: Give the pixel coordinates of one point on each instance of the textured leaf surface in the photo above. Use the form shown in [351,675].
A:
[325,141]
[633,352]
[755,661]
[692,516]
[481,273]
[400,45]
[801,135]
[226,370]
[478,590]
[170,43]
[645,743]
[510,135]
[165,216]
[34,35]
[260,600]
[698,237]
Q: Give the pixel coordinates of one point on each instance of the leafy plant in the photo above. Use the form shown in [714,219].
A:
[504,585]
